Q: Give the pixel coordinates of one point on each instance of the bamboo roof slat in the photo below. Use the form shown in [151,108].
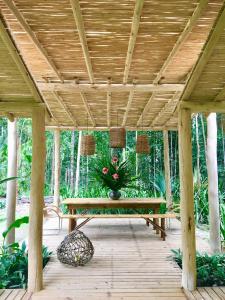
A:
[147,49]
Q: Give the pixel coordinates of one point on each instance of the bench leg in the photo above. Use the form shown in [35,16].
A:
[147,223]
[163,236]
[157,220]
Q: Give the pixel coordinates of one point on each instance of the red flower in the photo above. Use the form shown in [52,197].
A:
[105,170]
[115,176]
[114,159]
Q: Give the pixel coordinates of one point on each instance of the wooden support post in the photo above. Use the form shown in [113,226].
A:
[35,275]
[214,210]
[57,167]
[169,202]
[187,201]
[11,185]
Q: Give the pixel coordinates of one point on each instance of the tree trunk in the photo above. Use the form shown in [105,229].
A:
[198,153]
[78,165]
[223,142]
[57,167]
[203,134]
[169,202]
[214,214]
[72,162]
[53,170]
[11,185]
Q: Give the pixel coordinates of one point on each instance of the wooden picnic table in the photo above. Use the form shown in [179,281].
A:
[101,203]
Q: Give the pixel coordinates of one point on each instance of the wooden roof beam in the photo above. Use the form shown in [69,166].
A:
[19,62]
[83,87]
[133,36]
[32,36]
[130,99]
[213,38]
[168,106]
[206,107]
[87,108]
[105,128]
[81,31]
[146,108]
[66,109]
[182,38]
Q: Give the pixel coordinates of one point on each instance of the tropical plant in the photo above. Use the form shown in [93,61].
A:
[210,268]
[14,260]
[113,174]
[222,223]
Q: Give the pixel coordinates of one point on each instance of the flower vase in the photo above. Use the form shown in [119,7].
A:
[115,195]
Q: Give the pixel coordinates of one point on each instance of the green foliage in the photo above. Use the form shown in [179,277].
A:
[210,268]
[14,265]
[112,174]
[222,226]
[14,260]
[16,224]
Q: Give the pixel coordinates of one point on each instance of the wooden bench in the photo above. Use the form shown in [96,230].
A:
[147,217]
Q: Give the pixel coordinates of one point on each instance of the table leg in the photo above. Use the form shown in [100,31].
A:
[72,222]
[157,220]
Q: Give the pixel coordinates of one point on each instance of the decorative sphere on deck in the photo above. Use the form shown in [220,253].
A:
[76,249]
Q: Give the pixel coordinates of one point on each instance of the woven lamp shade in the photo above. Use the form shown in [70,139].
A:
[117,137]
[142,144]
[87,145]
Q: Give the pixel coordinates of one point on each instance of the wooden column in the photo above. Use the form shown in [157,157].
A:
[214,210]
[187,201]
[11,185]
[169,202]
[57,167]
[35,277]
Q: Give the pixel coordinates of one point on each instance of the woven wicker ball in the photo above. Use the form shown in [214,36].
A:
[142,144]
[87,145]
[117,137]
[76,249]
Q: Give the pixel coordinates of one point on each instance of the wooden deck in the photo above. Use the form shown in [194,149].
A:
[18,294]
[130,262]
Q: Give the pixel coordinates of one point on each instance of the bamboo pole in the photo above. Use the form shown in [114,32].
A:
[57,167]
[11,185]
[187,201]
[35,275]
[169,202]
[214,211]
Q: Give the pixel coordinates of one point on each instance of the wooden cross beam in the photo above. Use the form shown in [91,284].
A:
[70,86]
[32,36]
[205,55]
[133,36]
[81,31]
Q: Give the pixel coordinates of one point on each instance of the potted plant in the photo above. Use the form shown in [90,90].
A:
[113,175]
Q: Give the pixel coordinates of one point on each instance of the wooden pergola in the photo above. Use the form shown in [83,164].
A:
[144,65]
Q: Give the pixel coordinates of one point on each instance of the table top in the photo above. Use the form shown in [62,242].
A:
[108,201]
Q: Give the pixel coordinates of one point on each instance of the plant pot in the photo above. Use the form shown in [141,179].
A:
[114,195]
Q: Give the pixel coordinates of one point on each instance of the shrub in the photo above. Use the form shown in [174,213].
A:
[210,268]
[14,260]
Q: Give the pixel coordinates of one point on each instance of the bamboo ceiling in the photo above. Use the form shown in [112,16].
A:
[109,61]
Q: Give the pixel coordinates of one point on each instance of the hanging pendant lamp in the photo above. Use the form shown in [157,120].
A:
[142,144]
[87,144]
[117,137]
